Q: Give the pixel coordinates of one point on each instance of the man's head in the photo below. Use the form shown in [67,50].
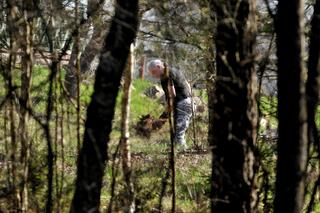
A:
[156,68]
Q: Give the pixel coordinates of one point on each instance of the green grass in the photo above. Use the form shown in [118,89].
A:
[150,156]
[140,103]
[150,161]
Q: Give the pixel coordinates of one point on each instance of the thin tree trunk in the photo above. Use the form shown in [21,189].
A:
[54,68]
[47,132]
[172,142]
[313,92]
[313,82]
[142,66]
[125,134]
[169,84]
[77,72]
[56,142]
[210,82]
[114,172]
[27,65]
[234,119]
[93,154]
[292,113]
[13,152]
[91,52]
[13,34]
[73,68]
[61,142]
[70,81]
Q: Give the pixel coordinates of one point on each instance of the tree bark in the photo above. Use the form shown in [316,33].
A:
[91,51]
[232,133]
[292,113]
[93,154]
[27,66]
[125,134]
[12,14]
[313,82]
[313,91]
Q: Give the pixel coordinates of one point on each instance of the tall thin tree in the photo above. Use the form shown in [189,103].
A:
[27,66]
[313,90]
[92,49]
[313,82]
[125,134]
[12,17]
[93,154]
[234,116]
[292,113]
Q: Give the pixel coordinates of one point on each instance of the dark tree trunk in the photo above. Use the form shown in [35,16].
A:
[234,118]
[313,82]
[93,154]
[292,113]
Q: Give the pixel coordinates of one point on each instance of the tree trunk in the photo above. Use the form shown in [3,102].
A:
[90,54]
[142,66]
[125,134]
[292,142]
[70,81]
[12,14]
[313,90]
[93,154]
[27,65]
[313,82]
[234,116]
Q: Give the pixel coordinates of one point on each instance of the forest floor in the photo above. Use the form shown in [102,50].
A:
[150,156]
[150,160]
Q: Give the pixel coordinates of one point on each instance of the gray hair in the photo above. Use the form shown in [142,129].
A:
[153,63]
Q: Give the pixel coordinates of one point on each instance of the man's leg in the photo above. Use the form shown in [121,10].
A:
[183,114]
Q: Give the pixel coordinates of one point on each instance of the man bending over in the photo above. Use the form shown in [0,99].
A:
[181,94]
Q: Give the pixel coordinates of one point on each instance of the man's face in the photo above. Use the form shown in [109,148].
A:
[156,72]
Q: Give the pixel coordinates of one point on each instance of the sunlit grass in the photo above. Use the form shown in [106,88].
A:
[150,156]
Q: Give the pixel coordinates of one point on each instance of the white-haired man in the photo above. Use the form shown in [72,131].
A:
[180,89]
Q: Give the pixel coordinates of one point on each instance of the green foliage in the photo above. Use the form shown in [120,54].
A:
[151,161]
[39,88]
[140,103]
[268,108]
[150,157]
[86,90]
